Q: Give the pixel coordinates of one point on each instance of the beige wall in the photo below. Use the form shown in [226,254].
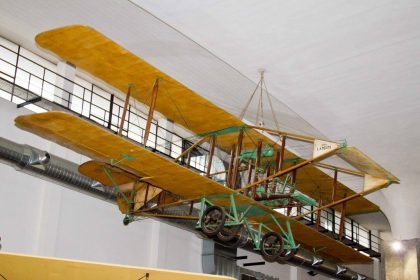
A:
[402,265]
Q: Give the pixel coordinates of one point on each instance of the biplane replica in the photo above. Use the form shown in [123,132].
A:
[240,203]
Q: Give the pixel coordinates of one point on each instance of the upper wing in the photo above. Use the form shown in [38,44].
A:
[100,144]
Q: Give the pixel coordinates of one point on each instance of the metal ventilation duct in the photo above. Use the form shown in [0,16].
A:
[43,165]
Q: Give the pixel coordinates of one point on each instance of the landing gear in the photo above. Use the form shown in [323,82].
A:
[213,220]
[228,233]
[271,246]
[232,227]
[239,240]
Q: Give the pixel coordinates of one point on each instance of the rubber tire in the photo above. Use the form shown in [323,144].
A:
[238,242]
[267,256]
[225,236]
[219,227]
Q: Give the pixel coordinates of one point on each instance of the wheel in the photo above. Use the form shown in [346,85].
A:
[271,246]
[213,220]
[238,241]
[243,238]
[228,233]
[286,255]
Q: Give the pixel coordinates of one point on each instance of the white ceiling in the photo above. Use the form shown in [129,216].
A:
[349,68]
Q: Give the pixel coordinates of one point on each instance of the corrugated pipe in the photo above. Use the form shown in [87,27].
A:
[43,165]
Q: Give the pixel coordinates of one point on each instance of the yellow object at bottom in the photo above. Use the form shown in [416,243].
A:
[14,266]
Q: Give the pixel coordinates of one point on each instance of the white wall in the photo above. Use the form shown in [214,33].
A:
[41,218]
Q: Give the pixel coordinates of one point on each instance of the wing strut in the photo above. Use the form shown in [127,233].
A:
[127,99]
[151,110]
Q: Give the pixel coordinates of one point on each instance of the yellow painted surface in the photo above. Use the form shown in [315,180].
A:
[105,59]
[100,144]
[14,266]
[365,164]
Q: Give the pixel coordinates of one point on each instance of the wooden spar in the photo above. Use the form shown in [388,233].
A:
[334,190]
[289,135]
[151,110]
[283,148]
[190,148]
[211,153]
[282,172]
[230,168]
[362,193]
[127,101]
[341,169]
[342,219]
[237,158]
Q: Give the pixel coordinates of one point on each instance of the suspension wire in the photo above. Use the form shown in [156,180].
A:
[176,107]
[261,100]
[242,114]
[148,96]
[271,106]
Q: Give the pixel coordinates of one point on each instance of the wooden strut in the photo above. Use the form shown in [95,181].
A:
[230,167]
[190,148]
[176,203]
[318,216]
[356,195]
[249,180]
[237,159]
[293,181]
[127,101]
[257,166]
[334,190]
[211,153]
[282,149]
[342,219]
[283,133]
[287,170]
[151,110]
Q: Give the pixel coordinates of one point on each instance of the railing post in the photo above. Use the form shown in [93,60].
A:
[370,239]
[111,109]
[14,78]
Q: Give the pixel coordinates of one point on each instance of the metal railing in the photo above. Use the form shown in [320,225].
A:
[93,103]
[353,233]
